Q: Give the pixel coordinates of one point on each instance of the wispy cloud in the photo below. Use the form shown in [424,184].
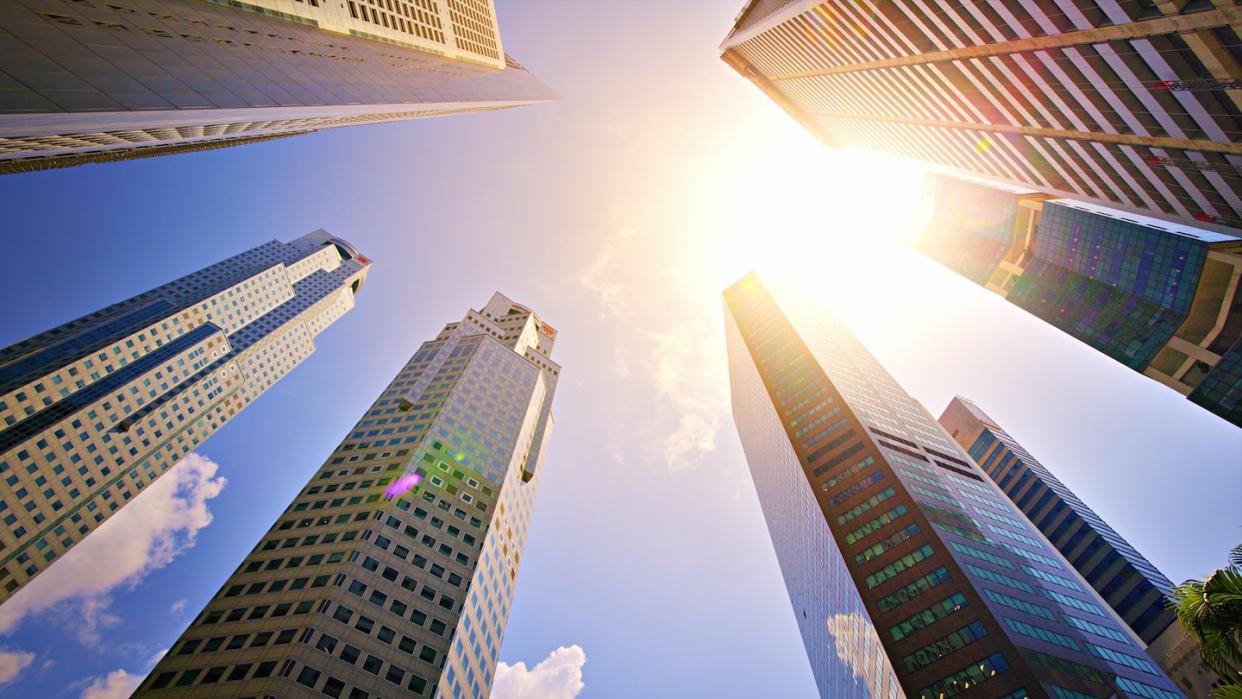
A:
[12,662]
[177,607]
[145,535]
[117,684]
[689,375]
[558,676]
[600,279]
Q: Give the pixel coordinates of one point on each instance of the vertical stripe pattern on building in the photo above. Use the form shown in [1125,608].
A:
[1128,104]
[910,573]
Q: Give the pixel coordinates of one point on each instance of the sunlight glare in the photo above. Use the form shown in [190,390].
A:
[825,220]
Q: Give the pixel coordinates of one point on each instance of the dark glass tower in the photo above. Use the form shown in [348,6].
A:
[910,573]
[1161,298]
[1127,581]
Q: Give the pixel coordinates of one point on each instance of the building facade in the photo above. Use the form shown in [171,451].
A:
[392,572]
[910,573]
[86,82]
[1133,105]
[1127,581]
[1159,297]
[97,409]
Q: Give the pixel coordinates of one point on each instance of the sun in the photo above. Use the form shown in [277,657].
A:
[805,214]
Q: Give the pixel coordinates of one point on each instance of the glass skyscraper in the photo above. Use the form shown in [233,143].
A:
[84,82]
[1132,105]
[910,573]
[1161,298]
[95,410]
[1127,581]
[392,571]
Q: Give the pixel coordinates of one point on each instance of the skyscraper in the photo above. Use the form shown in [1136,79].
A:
[98,408]
[392,572]
[910,573]
[1159,297]
[89,82]
[1127,581]
[1133,105]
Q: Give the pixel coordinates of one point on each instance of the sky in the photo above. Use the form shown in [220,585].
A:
[618,214]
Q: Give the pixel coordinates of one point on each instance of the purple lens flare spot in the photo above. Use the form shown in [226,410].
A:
[401,486]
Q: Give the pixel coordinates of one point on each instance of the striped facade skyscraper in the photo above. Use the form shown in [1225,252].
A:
[909,572]
[393,570]
[88,81]
[1127,581]
[1133,105]
[1162,298]
[97,409]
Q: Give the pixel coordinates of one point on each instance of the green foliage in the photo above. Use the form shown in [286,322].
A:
[1210,610]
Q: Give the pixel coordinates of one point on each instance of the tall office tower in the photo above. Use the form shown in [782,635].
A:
[1130,584]
[1126,104]
[911,574]
[392,572]
[88,81]
[98,408]
[1159,297]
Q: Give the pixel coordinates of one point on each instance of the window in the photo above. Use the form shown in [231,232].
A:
[213,675]
[1042,634]
[416,684]
[163,680]
[265,669]
[372,664]
[326,643]
[928,616]
[967,677]
[350,654]
[309,676]
[1096,629]
[881,547]
[1122,659]
[1019,604]
[333,687]
[912,590]
[896,567]
[941,647]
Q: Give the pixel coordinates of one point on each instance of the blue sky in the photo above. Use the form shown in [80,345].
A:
[618,214]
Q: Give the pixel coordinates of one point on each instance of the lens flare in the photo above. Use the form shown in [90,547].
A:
[401,486]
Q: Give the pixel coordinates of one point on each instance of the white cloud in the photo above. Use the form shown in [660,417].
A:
[558,676]
[12,662]
[688,373]
[178,606]
[117,684]
[847,632]
[145,535]
[613,294]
